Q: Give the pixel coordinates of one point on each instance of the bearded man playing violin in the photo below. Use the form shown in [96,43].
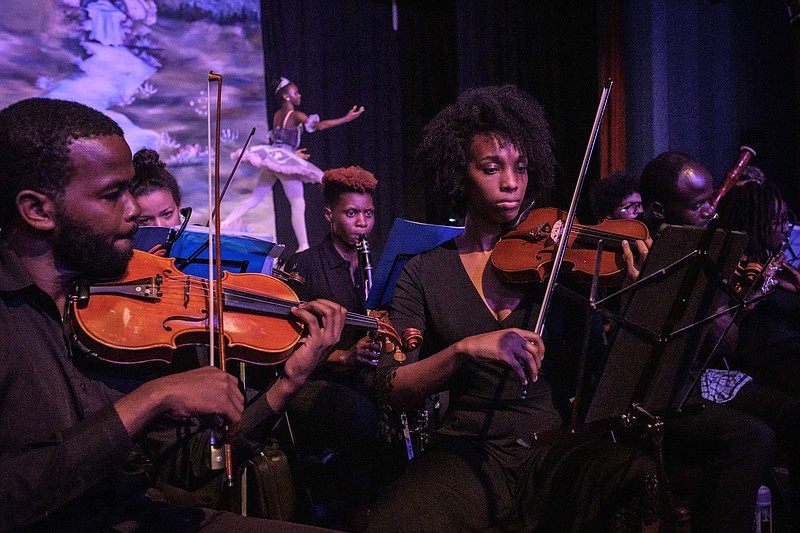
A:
[65,436]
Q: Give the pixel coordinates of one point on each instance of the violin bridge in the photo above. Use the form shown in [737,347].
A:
[152,289]
[186,291]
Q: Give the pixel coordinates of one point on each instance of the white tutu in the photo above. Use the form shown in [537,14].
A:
[284,163]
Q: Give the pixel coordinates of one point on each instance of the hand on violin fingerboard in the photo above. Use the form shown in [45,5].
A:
[324,321]
[635,261]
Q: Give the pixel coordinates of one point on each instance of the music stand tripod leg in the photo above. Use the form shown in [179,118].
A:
[655,431]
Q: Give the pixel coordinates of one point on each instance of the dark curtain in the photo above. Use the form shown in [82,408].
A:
[429,82]
[342,53]
[796,34]
[549,49]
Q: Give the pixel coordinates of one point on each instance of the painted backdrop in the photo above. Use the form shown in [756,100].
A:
[145,63]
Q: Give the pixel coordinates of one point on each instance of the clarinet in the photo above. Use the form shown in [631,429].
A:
[364,264]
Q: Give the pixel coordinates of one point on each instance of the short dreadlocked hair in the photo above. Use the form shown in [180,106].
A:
[338,181]
[35,136]
[505,112]
[151,175]
[752,208]
[610,191]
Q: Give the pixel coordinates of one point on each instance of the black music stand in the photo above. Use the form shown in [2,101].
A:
[664,321]
[659,333]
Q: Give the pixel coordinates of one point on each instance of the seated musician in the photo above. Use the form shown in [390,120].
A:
[65,437]
[765,337]
[488,152]
[616,196]
[156,191]
[334,412]
[734,450]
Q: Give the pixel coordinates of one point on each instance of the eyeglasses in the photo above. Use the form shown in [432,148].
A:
[787,218]
[632,206]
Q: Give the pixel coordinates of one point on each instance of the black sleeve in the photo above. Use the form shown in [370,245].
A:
[45,476]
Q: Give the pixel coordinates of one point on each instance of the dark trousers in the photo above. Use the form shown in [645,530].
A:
[782,412]
[336,427]
[575,485]
[734,451]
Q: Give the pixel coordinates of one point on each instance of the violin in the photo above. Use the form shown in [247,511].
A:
[526,253]
[154,308]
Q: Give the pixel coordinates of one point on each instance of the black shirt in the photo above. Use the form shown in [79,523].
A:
[59,433]
[435,295]
[327,276]
[62,443]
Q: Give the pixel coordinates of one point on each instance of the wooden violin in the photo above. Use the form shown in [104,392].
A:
[154,308]
[526,254]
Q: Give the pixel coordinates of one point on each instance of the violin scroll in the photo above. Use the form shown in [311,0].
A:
[396,344]
[288,277]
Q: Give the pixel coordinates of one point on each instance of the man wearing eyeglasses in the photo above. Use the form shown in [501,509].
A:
[617,196]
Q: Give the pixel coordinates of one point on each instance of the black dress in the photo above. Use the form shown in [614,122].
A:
[475,474]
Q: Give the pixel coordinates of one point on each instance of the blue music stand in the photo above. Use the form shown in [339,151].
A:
[406,239]
[148,237]
[241,252]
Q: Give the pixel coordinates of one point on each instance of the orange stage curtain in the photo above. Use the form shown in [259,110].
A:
[612,66]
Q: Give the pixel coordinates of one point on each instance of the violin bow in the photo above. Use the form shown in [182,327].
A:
[235,166]
[566,228]
[215,292]
[200,249]
[567,224]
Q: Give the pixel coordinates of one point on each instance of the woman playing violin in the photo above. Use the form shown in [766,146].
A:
[765,341]
[488,152]
[769,334]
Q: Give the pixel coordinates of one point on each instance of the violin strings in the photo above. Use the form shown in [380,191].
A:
[599,234]
[278,305]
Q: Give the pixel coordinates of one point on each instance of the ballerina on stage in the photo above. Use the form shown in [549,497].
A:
[283,160]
